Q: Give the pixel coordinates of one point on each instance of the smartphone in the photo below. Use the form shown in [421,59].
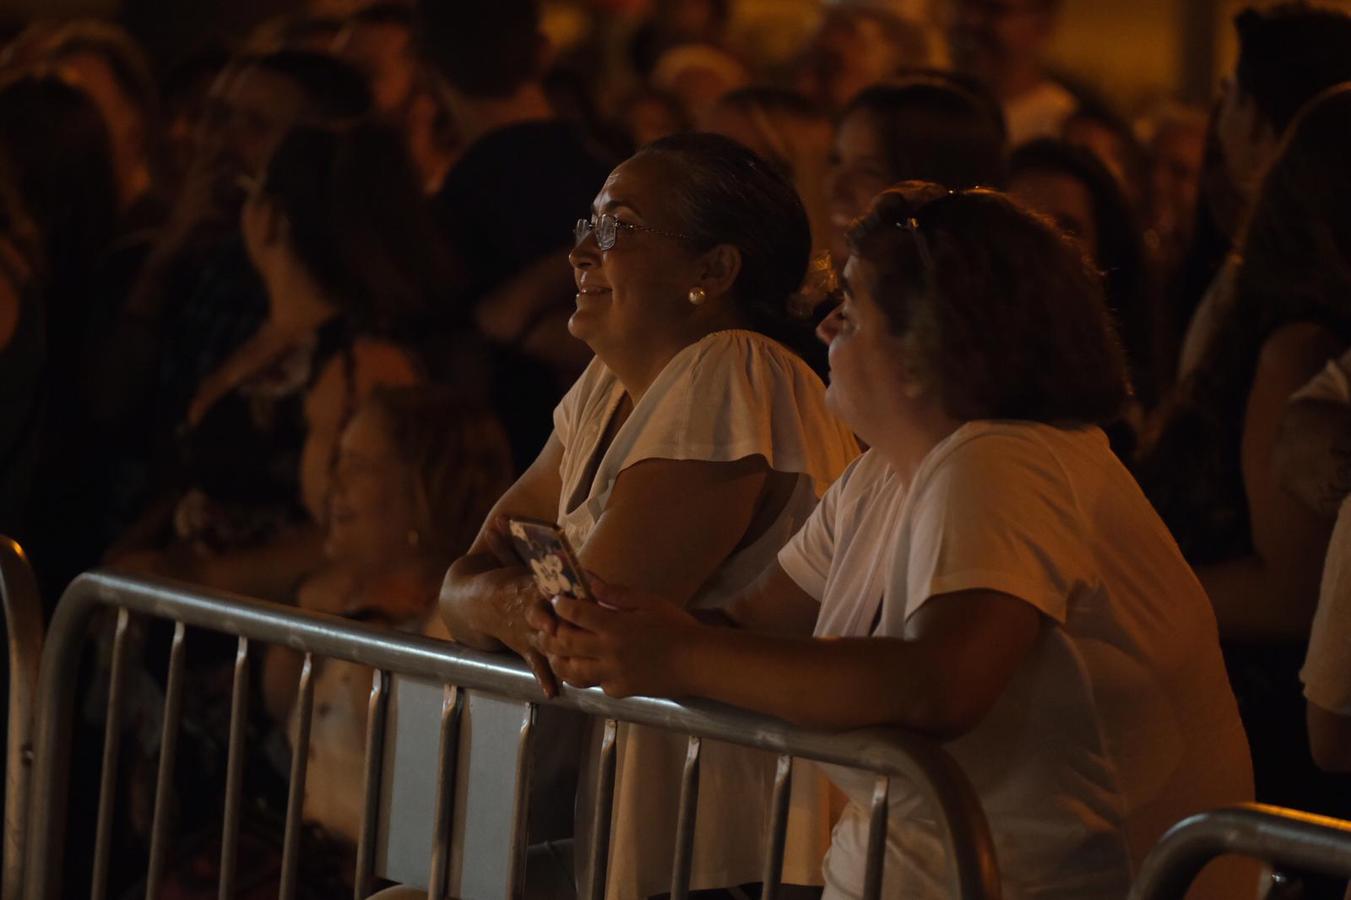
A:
[545,549]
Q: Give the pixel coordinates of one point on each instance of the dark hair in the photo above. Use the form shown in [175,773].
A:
[334,91]
[1119,253]
[1288,53]
[937,131]
[384,12]
[722,193]
[1007,317]
[487,49]
[1295,267]
[57,145]
[457,455]
[119,51]
[358,221]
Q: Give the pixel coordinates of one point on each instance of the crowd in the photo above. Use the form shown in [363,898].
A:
[308,316]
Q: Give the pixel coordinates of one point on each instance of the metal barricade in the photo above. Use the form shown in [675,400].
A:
[1283,837]
[971,862]
[23,622]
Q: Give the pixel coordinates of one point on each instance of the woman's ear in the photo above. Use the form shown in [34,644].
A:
[719,270]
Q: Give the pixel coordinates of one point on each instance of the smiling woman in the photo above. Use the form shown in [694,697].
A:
[681,461]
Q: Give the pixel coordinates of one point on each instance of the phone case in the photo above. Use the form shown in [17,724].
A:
[545,549]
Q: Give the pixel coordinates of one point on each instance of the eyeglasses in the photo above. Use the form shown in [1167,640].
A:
[606,229]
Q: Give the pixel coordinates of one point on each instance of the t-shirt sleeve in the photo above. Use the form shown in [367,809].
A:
[807,555]
[997,513]
[738,395]
[1327,667]
[1330,385]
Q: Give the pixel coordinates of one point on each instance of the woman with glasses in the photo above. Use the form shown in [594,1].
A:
[681,461]
[987,573]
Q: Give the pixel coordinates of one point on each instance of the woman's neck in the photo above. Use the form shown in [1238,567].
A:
[637,365]
[909,441]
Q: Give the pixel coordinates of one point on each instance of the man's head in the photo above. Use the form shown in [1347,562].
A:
[1286,55]
[993,38]
[378,40]
[857,46]
[484,51]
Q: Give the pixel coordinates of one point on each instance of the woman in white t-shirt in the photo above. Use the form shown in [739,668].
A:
[687,454]
[987,573]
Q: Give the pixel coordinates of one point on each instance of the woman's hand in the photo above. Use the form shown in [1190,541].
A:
[628,642]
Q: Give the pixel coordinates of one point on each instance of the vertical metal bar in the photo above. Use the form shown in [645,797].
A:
[23,624]
[689,805]
[520,814]
[168,756]
[295,801]
[877,839]
[112,739]
[600,824]
[370,809]
[234,771]
[772,877]
[452,711]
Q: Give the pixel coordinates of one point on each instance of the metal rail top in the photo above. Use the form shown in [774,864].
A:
[893,752]
[1268,833]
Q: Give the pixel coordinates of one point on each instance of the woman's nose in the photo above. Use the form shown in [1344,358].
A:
[829,327]
[583,255]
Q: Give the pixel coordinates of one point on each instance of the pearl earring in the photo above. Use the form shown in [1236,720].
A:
[697,296]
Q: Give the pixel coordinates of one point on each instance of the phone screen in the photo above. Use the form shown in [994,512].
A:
[545,549]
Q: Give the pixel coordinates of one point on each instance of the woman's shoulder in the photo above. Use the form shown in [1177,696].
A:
[745,350]
[1297,351]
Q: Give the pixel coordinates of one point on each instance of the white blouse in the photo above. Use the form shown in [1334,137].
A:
[731,395]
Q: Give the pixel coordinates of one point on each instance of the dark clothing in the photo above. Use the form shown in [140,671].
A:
[511,200]
[514,196]
[22,407]
[243,458]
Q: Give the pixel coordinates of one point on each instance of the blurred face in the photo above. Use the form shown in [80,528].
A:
[1108,147]
[1176,177]
[1247,142]
[989,36]
[636,294]
[371,509]
[384,53]
[248,113]
[870,385]
[1065,200]
[860,171]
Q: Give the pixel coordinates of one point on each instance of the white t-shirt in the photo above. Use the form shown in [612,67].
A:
[1120,721]
[732,395]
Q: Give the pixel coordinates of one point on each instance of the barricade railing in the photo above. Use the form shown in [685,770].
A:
[23,623]
[1282,837]
[971,864]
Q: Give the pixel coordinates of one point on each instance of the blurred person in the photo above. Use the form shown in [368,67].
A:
[1107,136]
[303,32]
[58,150]
[1075,189]
[1256,548]
[417,469]
[680,461]
[1287,54]
[698,75]
[857,46]
[1002,42]
[987,573]
[333,228]
[926,128]
[787,130]
[670,23]
[378,39]
[1176,151]
[509,200]
[186,85]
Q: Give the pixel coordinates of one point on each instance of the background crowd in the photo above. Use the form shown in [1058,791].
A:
[287,316]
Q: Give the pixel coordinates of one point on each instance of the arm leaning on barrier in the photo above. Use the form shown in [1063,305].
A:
[958,655]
